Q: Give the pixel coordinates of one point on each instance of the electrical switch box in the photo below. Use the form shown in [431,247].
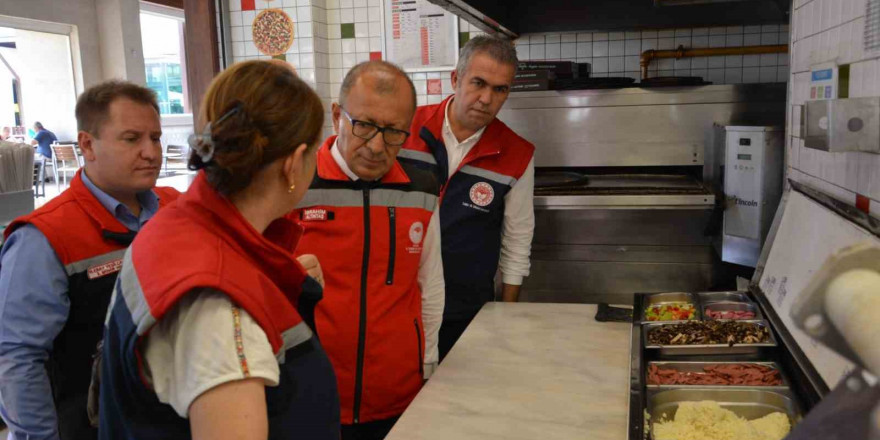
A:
[840,125]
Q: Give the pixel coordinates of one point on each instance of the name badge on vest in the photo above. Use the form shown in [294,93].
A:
[104,269]
[315,215]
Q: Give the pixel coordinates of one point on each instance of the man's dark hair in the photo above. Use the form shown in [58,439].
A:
[93,106]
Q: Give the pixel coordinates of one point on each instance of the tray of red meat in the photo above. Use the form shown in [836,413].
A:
[731,310]
[722,374]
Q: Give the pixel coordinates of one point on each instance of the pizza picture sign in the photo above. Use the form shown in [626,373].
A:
[273,32]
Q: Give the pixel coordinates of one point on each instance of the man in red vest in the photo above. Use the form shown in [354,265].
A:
[367,219]
[486,213]
[58,265]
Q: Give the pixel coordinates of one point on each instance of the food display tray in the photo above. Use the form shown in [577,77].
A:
[710,297]
[748,404]
[707,349]
[726,306]
[800,391]
[659,299]
[697,367]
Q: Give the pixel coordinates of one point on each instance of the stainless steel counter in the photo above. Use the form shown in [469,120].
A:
[527,371]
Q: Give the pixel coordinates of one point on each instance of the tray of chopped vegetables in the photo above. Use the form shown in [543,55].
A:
[670,307]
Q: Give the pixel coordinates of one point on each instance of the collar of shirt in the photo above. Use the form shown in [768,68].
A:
[337,156]
[455,150]
[148,200]
[447,132]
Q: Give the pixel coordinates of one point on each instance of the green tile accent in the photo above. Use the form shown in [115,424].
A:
[347,30]
[463,38]
[282,57]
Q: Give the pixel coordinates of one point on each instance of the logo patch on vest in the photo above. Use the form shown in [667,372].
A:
[416,233]
[482,194]
[315,215]
[104,269]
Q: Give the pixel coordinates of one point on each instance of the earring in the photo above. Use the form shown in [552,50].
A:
[292,187]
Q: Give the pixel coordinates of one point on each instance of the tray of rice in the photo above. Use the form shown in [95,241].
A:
[700,414]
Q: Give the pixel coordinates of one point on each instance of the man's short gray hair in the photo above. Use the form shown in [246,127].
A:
[383,85]
[498,49]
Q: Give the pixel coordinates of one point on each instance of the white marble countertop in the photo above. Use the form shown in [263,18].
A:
[527,371]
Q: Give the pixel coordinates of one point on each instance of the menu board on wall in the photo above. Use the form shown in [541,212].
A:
[420,35]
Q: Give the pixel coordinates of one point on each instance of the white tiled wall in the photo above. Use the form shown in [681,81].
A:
[319,58]
[323,51]
[617,53]
[826,31]
[302,54]
[433,87]
[309,52]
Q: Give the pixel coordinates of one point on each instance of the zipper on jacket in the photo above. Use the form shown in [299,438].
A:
[392,244]
[362,326]
[421,352]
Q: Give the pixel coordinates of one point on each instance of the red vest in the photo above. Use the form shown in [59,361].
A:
[471,204]
[203,241]
[499,149]
[73,223]
[90,244]
[368,237]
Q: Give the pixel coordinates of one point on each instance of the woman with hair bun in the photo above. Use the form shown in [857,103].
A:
[210,334]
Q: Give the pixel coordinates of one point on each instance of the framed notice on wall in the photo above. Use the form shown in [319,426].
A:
[420,35]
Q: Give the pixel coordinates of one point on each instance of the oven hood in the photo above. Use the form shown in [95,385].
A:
[637,127]
[512,18]
[637,148]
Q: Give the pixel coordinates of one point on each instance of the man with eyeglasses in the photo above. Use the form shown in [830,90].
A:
[367,218]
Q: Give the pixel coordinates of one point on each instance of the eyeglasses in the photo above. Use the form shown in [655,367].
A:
[368,130]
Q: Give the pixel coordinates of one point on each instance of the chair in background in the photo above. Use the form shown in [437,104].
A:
[172,152]
[39,179]
[64,159]
[47,165]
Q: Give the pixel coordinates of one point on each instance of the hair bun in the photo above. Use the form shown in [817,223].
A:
[260,112]
[239,145]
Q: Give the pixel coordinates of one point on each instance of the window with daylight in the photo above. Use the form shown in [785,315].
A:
[164,57]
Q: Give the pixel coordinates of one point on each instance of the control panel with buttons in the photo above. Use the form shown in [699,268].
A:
[753,162]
